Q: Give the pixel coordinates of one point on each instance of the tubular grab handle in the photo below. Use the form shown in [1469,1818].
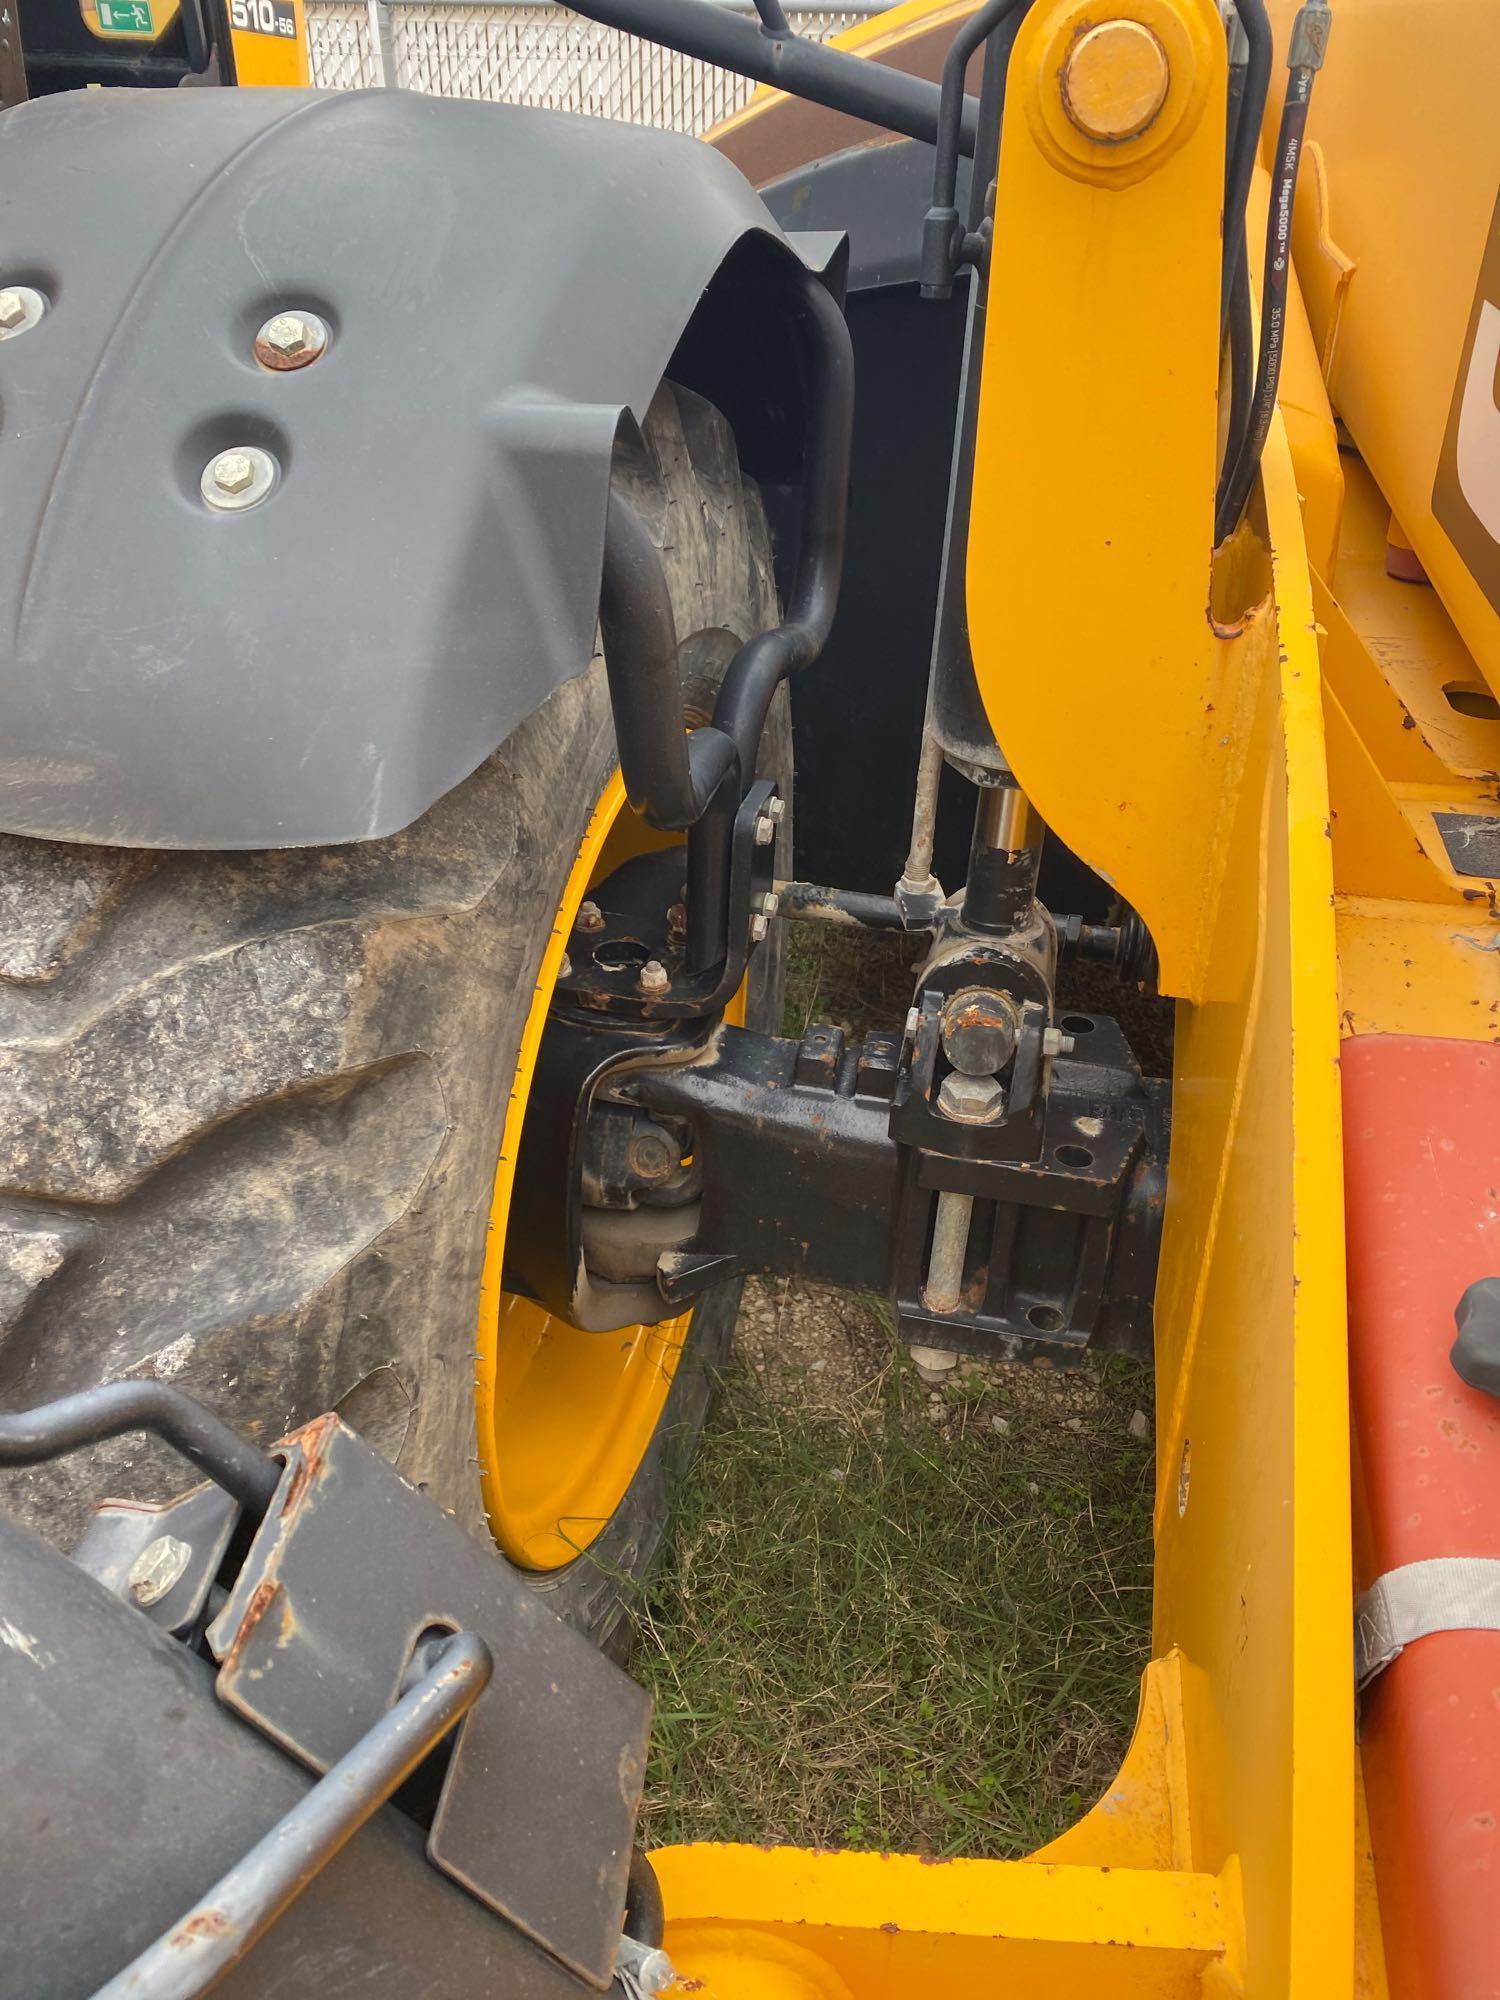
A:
[29,1437]
[242,1905]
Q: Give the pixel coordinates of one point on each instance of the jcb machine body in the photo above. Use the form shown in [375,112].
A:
[427,532]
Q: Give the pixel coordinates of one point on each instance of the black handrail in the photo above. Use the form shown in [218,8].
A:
[30,1437]
[243,1904]
[774,55]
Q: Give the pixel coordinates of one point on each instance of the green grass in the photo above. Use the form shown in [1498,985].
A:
[884,1624]
[885,1621]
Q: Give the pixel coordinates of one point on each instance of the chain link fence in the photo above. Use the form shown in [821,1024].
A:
[533,54]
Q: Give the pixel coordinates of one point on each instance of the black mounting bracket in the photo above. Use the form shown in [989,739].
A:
[832,1161]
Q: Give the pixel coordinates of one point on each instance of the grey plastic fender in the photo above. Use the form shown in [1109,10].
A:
[500,284]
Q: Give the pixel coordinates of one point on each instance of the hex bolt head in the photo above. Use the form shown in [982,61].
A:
[157,1568]
[758,928]
[1115,80]
[765,830]
[1056,1043]
[290,340]
[934,1365]
[21,306]
[777,808]
[237,478]
[233,472]
[971,1100]
[770,903]
[653,977]
[590,917]
[565,969]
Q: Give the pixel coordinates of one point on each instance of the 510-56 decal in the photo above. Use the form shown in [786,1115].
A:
[264,17]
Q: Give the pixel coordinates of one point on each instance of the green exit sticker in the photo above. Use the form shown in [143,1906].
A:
[125,17]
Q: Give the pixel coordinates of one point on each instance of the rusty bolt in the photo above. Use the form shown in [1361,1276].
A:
[676,920]
[290,340]
[971,1100]
[565,970]
[157,1568]
[651,1156]
[1115,81]
[590,917]
[20,307]
[980,1027]
[653,977]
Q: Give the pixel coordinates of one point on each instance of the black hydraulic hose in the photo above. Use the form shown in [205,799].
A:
[670,777]
[868,90]
[30,1437]
[1241,362]
[941,229]
[1304,60]
[760,666]
[1240,164]
[764,662]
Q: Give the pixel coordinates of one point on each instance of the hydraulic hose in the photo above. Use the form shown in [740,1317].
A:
[1245,137]
[764,662]
[670,777]
[1241,362]
[1304,60]
[759,667]
[942,233]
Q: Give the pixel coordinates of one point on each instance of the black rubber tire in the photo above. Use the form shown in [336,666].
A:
[250,1104]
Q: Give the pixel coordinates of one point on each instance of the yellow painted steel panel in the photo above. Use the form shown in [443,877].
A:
[1088,572]
[1399,234]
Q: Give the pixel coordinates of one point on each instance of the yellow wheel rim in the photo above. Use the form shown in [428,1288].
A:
[564,1416]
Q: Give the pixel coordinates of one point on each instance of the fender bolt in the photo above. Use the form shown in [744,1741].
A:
[21,306]
[290,340]
[157,1568]
[233,472]
[238,478]
[653,977]
[590,917]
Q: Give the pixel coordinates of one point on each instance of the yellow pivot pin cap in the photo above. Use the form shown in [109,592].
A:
[1114,80]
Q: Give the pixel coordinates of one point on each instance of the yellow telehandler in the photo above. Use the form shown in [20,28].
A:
[431,535]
